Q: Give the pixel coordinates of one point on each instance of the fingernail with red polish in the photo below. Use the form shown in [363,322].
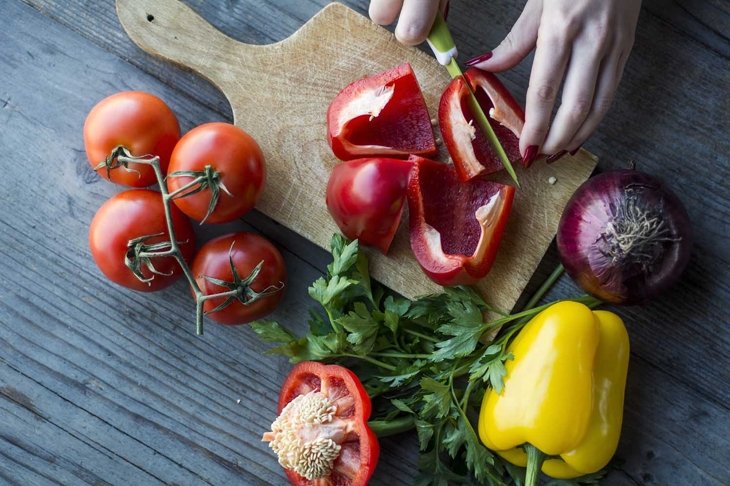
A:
[478,59]
[446,10]
[575,151]
[555,157]
[529,156]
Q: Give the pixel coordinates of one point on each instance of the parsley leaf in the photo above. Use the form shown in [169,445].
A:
[490,367]
[438,402]
[362,328]
[272,332]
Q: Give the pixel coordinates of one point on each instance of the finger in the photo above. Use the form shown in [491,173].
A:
[551,57]
[519,42]
[444,8]
[384,12]
[609,76]
[415,21]
[578,90]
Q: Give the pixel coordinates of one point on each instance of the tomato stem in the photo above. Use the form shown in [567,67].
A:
[123,158]
[208,178]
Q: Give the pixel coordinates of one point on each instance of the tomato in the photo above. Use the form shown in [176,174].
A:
[359,448]
[469,148]
[381,115]
[236,175]
[366,197]
[130,215]
[455,226]
[141,123]
[246,250]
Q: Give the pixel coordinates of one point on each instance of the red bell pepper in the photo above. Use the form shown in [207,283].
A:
[470,150]
[366,198]
[381,115]
[321,435]
[455,227]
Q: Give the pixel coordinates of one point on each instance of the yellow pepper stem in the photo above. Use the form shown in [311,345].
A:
[535,459]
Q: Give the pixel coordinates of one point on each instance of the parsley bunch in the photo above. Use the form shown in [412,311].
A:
[425,363]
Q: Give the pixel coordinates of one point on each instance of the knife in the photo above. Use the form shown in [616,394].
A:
[443,47]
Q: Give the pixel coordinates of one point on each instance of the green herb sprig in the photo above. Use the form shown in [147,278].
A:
[424,362]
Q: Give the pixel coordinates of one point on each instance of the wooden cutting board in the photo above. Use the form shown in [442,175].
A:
[280,93]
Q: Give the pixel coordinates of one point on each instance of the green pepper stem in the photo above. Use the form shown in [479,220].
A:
[386,428]
[535,458]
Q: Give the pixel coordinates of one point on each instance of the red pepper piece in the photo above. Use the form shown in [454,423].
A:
[470,150]
[455,227]
[333,410]
[366,197]
[384,114]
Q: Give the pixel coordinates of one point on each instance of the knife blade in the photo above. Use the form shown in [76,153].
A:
[444,49]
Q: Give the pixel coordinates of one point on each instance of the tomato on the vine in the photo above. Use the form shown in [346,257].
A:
[138,216]
[134,124]
[225,169]
[260,276]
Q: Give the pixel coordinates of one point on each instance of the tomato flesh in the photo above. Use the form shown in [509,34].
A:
[381,115]
[455,226]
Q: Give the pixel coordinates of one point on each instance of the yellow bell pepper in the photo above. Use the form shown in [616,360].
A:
[563,393]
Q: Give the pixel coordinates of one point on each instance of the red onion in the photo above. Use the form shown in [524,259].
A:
[624,237]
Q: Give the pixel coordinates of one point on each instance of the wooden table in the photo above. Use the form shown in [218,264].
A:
[101,385]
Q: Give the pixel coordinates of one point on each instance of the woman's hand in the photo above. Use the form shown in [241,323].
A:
[583,44]
[415,17]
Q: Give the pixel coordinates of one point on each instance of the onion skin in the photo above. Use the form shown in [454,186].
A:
[624,237]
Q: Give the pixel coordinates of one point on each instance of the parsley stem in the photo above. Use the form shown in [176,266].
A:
[421,335]
[469,428]
[467,394]
[369,360]
[545,287]
[386,428]
[401,355]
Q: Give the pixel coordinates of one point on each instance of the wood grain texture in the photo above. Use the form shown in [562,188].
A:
[280,93]
[93,392]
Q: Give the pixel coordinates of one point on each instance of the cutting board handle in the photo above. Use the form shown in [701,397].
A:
[171,30]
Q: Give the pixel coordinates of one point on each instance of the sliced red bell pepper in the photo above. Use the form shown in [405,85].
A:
[470,150]
[321,435]
[366,197]
[381,115]
[455,227]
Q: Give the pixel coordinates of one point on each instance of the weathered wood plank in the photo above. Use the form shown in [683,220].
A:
[133,394]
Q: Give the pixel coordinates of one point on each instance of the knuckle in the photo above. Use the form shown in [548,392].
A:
[579,109]
[410,34]
[545,93]
[601,30]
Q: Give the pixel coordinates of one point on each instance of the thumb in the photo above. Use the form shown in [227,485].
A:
[518,43]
